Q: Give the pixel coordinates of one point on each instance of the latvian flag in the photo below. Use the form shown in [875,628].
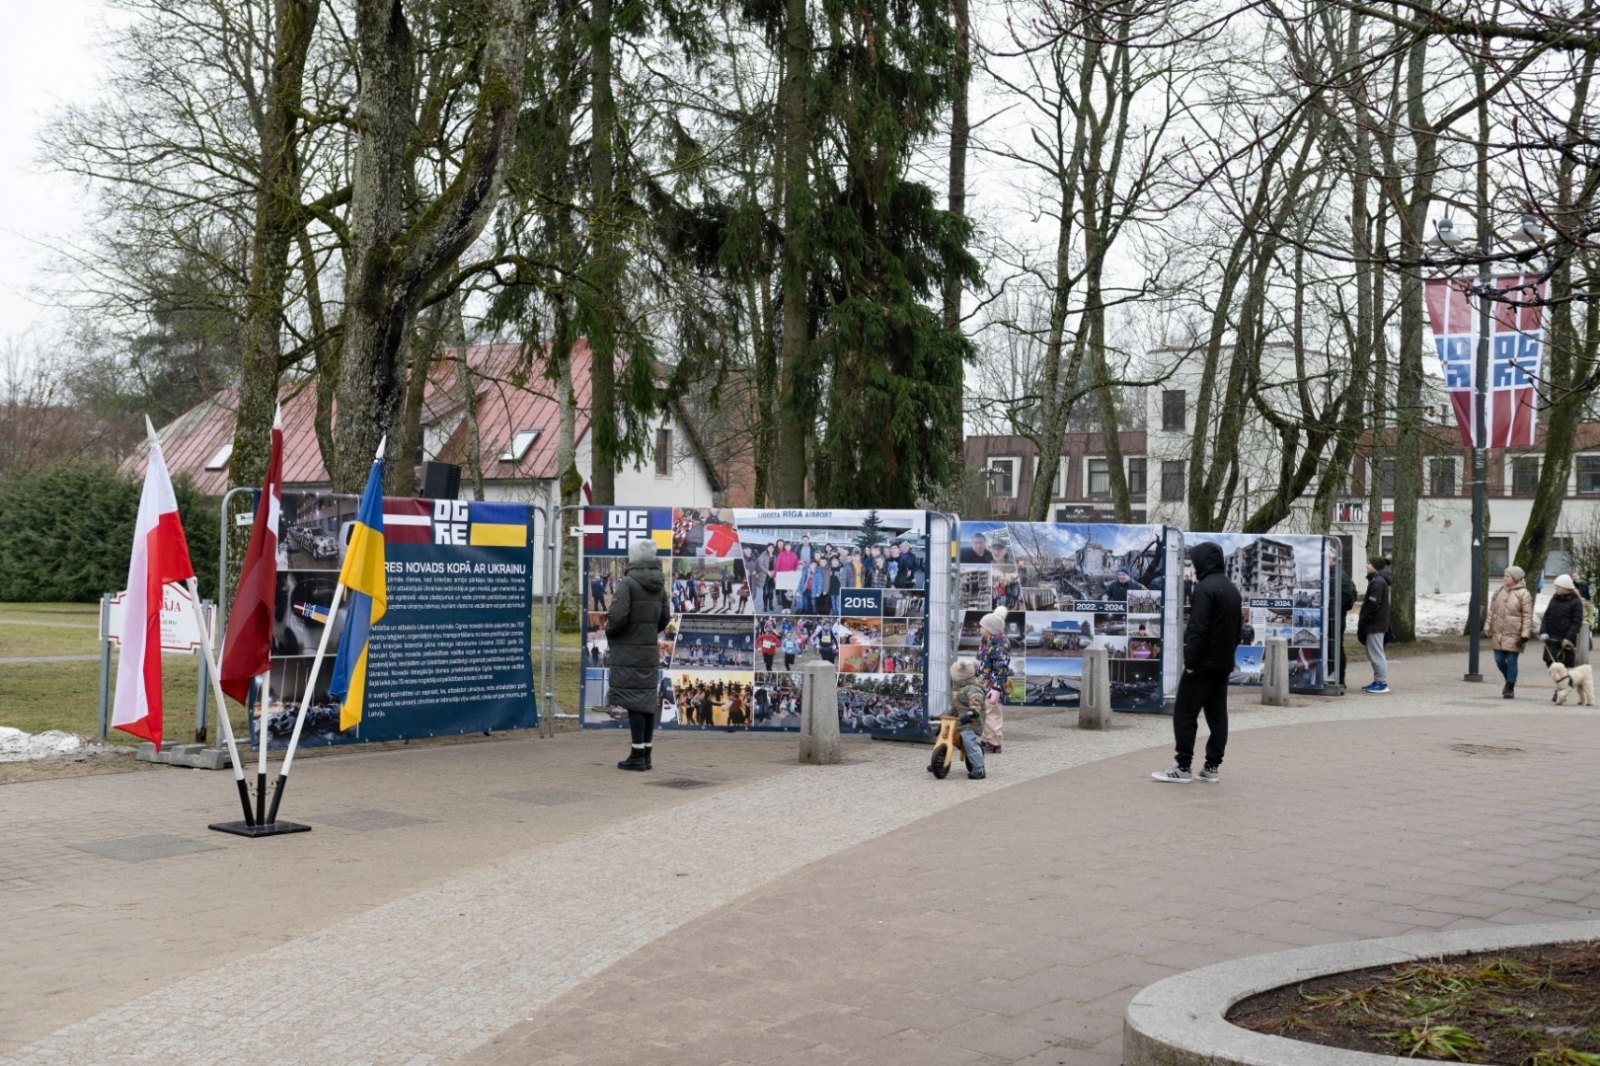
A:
[407,521]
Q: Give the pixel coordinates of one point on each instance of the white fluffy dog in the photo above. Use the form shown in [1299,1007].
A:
[1569,678]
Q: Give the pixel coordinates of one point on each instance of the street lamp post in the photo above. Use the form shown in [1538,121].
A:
[1480,457]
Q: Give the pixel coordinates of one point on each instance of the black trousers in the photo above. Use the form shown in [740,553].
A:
[1203,690]
[642,726]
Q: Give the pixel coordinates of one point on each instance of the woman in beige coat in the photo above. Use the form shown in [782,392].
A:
[1508,625]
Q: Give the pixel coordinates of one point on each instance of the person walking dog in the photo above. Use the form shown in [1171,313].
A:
[1563,624]
[1209,641]
[1372,624]
[1508,625]
[639,612]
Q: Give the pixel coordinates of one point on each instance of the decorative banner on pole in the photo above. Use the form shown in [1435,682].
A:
[1516,341]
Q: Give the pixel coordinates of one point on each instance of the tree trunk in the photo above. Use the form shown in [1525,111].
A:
[960,134]
[406,446]
[456,331]
[599,299]
[392,262]
[568,589]
[798,387]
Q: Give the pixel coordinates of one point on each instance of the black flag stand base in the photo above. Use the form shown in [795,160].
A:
[245,829]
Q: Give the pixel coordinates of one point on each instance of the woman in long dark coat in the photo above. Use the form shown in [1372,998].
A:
[639,611]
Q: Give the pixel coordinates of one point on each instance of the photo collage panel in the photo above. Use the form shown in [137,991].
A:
[1283,582]
[1065,588]
[756,595]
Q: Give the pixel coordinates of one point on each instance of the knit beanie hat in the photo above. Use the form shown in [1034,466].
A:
[1565,582]
[1518,573]
[642,551]
[993,623]
[962,671]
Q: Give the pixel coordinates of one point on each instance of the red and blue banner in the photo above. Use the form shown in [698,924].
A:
[1516,348]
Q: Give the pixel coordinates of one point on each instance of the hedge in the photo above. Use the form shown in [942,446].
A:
[66,531]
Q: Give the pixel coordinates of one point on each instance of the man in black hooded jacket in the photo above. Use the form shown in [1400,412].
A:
[1209,641]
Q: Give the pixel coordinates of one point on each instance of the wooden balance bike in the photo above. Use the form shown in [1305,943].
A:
[947,747]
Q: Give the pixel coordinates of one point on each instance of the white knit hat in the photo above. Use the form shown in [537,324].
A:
[1565,582]
[642,551]
[963,670]
[993,623]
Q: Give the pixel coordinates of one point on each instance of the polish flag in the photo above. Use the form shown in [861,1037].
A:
[247,647]
[160,557]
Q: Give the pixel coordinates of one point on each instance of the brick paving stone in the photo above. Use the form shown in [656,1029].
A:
[793,902]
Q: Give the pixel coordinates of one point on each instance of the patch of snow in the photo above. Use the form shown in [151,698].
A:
[17,746]
[1445,614]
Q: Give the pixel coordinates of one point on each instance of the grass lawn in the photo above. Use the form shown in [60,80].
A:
[39,696]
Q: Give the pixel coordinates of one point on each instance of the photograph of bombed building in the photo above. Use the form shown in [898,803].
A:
[1263,566]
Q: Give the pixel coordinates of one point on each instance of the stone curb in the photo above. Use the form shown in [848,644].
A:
[1181,1021]
[193,756]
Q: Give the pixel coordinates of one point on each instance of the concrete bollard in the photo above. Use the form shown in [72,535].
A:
[1275,674]
[1094,698]
[819,715]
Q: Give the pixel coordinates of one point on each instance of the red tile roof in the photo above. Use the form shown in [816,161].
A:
[511,398]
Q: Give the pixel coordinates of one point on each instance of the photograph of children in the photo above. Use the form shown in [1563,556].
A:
[976,592]
[904,660]
[1135,686]
[1144,650]
[1053,682]
[713,644]
[302,610]
[286,687]
[1057,634]
[1305,668]
[799,564]
[859,659]
[311,530]
[706,586]
[783,643]
[1005,587]
[905,604]
[775,702]
[1246,666]
[1144,601]
[882,703]
[714,698]
[699,532]
[862,630]
[1308,598]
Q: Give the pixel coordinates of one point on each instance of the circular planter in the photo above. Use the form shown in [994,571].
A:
[1182,1021]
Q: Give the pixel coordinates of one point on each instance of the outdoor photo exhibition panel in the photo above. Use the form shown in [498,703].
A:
[1286,582]
[757,594]
[1067,587]
[452,652]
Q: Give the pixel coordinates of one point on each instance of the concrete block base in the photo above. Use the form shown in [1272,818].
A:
[192,756]
[1094,699]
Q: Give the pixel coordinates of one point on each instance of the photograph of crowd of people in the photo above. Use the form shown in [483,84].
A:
[757,595]
[1066,588]
[1281,580]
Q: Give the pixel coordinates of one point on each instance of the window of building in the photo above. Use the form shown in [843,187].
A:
[1174,409]
[521,441]
[1588,475]
[1137,476]
[1558,560]
[1172,482]
[1058,485]
[663,452]
[1099,482]
[1002,477]
[1386,546]
[220,460]
[1383,471]
[1441,476]
[1497,554]
[1524,475]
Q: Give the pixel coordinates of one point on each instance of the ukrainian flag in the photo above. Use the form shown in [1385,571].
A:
[363,577]
[499,525]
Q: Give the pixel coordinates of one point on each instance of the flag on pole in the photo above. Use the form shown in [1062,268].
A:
[1516,341]
[160,556]
[247,647]
[364,576]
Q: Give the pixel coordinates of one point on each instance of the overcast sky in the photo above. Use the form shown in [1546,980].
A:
[47,57]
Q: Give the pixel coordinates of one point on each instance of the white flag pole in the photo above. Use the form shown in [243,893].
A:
[206,636]
[311,685]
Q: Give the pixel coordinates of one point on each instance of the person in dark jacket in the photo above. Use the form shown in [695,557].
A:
[1372,624]
[639,612]
[1209,641]
[1563,624]
[1347,600]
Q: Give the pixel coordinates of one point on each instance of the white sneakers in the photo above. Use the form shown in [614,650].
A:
[1178,775]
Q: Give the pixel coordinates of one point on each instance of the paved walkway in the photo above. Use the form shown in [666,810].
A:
[777,914]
